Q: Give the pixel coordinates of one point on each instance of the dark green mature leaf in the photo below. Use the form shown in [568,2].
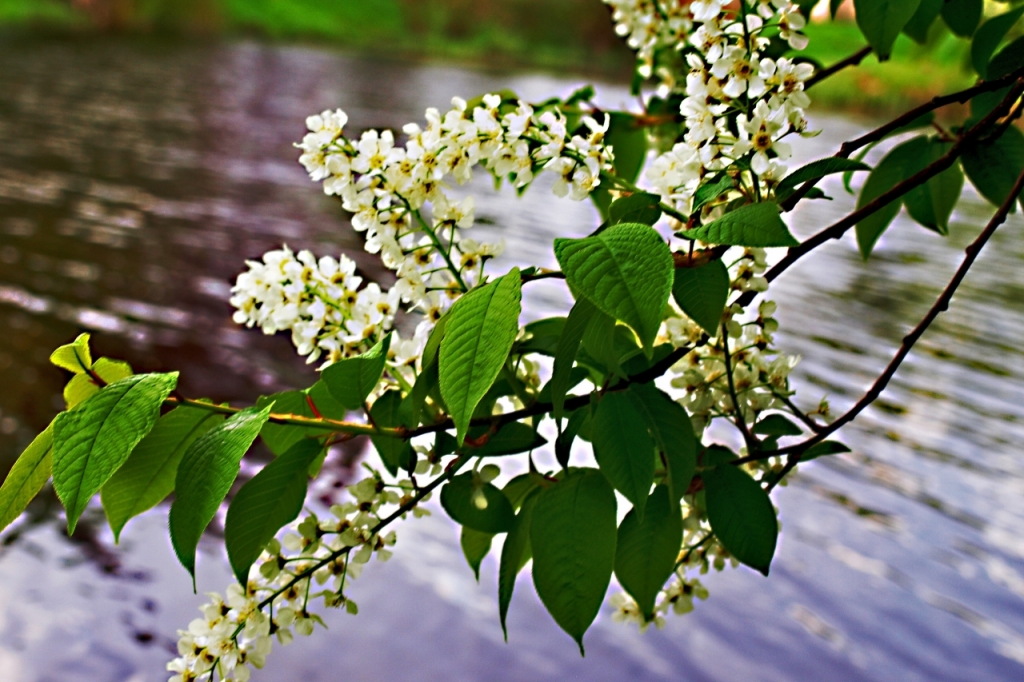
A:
[988,37]
[932,203]
[477,341]
[897,166]
[647,548]
[741,515]
[707,193]
[623,447]
[1009,59]
[702,293]
[672,430]
[776,425]
[994,165]
[475,546]
[511,439]
[147,476]
[599,347]
[824,449]
[833,7]
[572,536]
[269,501]
[628,141]
[815,170]
[640,207]
[542,337]
[626,272]
[462,499]
[515,552]
[882,20]
[27,477]
[563,444]
[207,470]
[281,437]
[389,411]
[923,19]
[351,380]
[93,440]
[962,16]
[757,224]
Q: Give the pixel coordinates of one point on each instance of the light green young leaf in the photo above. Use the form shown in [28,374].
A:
[702,293]
[672,431]
[882,20]
[350,380]
[475,546]
[270,500]
[994,165]
[741,515]
[896,167]
[207,470]
[647,548]
[82,385]
[962,16]
[988,37]
[625,271]
[815,170]
[572,537]
[623,447]
[92,441]
[27,477]
[75,356]
[147,476]
[923,19]
[479,506]
[757,224]
[515,552]
[477,341]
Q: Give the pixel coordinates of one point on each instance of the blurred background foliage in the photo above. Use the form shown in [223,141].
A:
[573,35]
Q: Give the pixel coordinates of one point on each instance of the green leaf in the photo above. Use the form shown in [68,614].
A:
[511,439]
[599,347]
[640,207]
[702,293]
[389,411]
[147,476]
[932,203]
[75,356]
[83,386]
[897,166]
[993,166]
[824,449]
[269,501]
[710,191]
[672,431]
[833,7]
[541,337]
[628,142]
[515,552]
[988,37]
[815,170]
[351,380]
[776,425]
[475,546]
[741,515]
[477,341]
[623,447]
[477,505]
[751,225]
[572,537]
[563,444]
[93,440]
[923,19]
[962,16]
[882,20]
[626,272]
[279,438]
[27,477]
[207,470]
[647,549]
[565,355]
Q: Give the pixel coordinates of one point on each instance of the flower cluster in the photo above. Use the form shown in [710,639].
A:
[315,560]
[650,26]
[738,105]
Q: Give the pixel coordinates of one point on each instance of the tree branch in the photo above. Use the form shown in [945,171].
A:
[853,60]
[941,305]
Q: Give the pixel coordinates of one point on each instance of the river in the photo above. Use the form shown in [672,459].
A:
[136,178]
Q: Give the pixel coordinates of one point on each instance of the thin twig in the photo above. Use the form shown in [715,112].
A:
[741,423]
[853,60]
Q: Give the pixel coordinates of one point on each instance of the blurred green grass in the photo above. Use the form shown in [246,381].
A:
[563,35]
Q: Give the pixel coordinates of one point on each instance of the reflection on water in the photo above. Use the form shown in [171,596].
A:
[134,180]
